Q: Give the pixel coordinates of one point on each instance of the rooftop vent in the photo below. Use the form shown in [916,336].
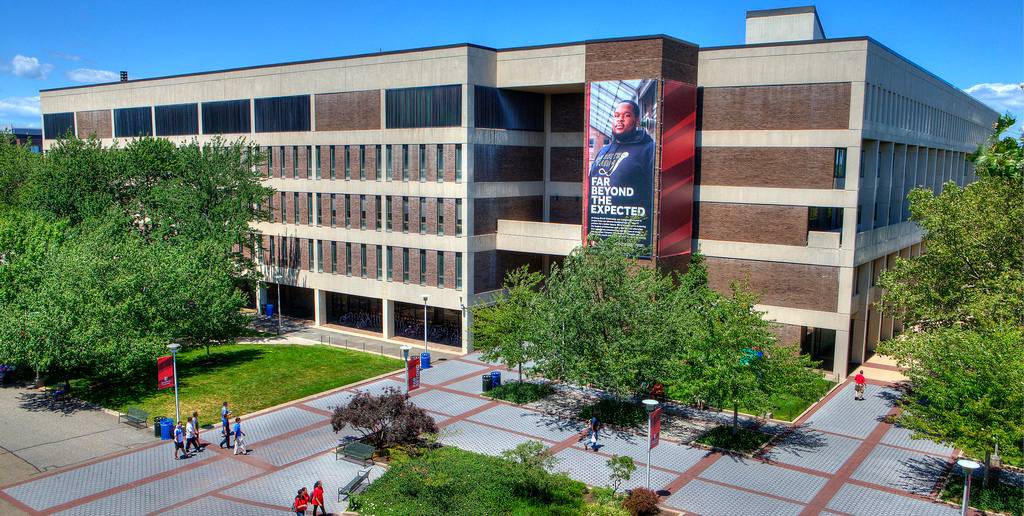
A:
[124,76]
[780,25]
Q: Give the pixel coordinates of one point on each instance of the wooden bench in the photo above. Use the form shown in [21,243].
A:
[349,488]
[135,417]
[355,450]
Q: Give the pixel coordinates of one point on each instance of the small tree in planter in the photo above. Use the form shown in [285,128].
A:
[622,470]
[384,420]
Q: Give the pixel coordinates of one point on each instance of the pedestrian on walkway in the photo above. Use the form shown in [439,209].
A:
[301,500]
[195,421]
[190,436]
[239,437]
[594,425]
[179,442]
[225,427]
[317,498]
[858,388]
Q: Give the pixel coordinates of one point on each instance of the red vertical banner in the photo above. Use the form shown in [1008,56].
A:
[164,372]
[655,426]
[412,374]
[678,156]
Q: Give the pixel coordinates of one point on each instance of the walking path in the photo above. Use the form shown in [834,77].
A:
[841,458]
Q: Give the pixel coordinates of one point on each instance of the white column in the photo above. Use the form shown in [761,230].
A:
[261,298]
[387,319]
[319,306]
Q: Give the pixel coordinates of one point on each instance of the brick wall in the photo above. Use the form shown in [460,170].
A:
[431,268]
[371,162]
[567,113]
[396,264]
[414,215]
[770,167]
[450,216]
[396,213]
[449,163]
[353,210]
[758,223]
[432,162]
[647,58]
[566,210]
[507,163]
[489,267]
[414,163]
[811,287]
[797,106]
[303,161]
[325,209]
[328,259]
[372,213]
[289,201]
[305,260]
[431,216]
[94,123]
[371,261]
[567,164]
[414,266]
[449,269]
[486,212]
[788,334]
[348,111]
[289,160]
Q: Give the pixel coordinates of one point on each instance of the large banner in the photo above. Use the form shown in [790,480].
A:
[412,374]
[678,154]
[164,372]
[622,130]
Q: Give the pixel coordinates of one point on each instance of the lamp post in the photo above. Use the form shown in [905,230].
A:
[278,278]
[425,297]
[174,364]
[405,358]
[649,405]
[968,466]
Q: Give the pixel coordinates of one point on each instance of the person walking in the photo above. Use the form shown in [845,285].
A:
[594,425]
[317,498]
[179,442]
[239,437]
[859,383]
[195,421]
[225,426]
[301,500]
[190,435]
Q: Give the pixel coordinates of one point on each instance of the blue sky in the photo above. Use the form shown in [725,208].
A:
[976,46]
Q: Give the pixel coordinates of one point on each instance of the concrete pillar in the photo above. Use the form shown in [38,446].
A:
[319,307]
[857,340]
[387,319]
[467,322]
[547,159]
[883,190]
[867,183]
[841,357]
[261,298]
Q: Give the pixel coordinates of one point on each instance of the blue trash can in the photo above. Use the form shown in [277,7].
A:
[166,428]
[425,360]
[495,379]
[270,310]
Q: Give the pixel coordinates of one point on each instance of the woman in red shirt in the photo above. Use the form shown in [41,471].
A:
[317,499]
[300,503]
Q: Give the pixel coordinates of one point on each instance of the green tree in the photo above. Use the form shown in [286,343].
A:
[503,329]
[622,468]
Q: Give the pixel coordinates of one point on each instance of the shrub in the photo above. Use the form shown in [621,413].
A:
[616,413]
[384,420]
[745,440]
[641,501]
[531,454]
[521,392]
[622,470]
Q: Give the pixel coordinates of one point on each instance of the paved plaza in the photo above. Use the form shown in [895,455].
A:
[840,458]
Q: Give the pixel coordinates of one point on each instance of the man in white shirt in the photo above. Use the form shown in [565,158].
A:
[190,435]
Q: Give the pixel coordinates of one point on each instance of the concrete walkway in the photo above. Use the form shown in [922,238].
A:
[841,458]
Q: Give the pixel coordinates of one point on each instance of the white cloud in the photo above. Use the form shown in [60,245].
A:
[1001,97]
[65,56]
[19,107]
[90,75]
[30,67]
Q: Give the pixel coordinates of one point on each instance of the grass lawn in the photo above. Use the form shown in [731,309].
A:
[744,441]
[783,406]
[521,392]
[458,482]
[249,377]
[997,497]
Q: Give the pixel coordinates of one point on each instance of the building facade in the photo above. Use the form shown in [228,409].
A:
[420,177]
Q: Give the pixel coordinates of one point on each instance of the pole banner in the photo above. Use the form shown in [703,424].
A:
[655,426]
[413,373]
[164,372]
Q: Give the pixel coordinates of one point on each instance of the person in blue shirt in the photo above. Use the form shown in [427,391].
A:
[594,426]
[179,442]
[239,437]
[225,427]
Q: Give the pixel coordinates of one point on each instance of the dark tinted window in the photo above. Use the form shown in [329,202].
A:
[277,114]
[508,109]
[131,122]
[55,125]
[228,116]
[431,106]
[176,119]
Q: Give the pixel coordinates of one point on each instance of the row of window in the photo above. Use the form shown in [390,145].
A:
[336,210]
[429,106]
[363,162]
[891,108]
[364,260]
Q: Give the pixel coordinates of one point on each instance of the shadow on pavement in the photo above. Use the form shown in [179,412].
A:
[45,401]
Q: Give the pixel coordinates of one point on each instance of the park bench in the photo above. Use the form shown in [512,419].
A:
[355,450]
[352,485]
[135,417]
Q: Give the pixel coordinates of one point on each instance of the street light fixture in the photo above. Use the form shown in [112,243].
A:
[425,297]
[968,466]
[649,405]
[174,346]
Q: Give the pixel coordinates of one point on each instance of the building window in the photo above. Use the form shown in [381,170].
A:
[295,207]
[389,268]
[132,122]
[333,172]
[309,161]
[423,215]
[440,269]
[309,209]
[820,344]
[380,262]
[348,258]
[423,267]
[405,162]
[439,159]
[405,265]
[430,106]
[458,217]
[334,257]
[282,114]
[272,239]
[440,216]
[458,271]
[280,169]
[387,214]
[56,125]
[362,260]
[348,211]
[319,205]
[334,210]
[176,120]
[496,108]
[283,208]
[376,214]
[423,163]
[295,162]
[270,161]
[376,164]
[309,253]
[348,166]
[458,163]
[839,166]
[824,219]
[405,214]
[317,158]
[362,163]
[226,117]
[362,212]
[285,258]
[389,166]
